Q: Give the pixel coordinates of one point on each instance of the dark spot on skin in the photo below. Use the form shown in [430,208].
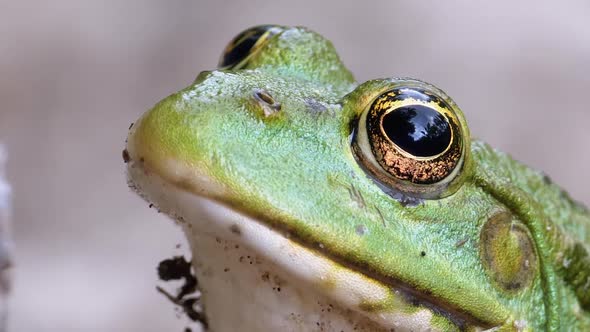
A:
[513,286]
[460,243]
[151,205]
[315,107]
[142,160]
[226,270]
[547,180]
[265,276]
[130,126]
[126,157]
[422,253]
[361,229]
[278,282]
[235,229]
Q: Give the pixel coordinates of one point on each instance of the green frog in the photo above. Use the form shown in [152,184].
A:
[314,203]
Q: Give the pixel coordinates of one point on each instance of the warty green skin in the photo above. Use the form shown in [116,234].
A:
[295,171]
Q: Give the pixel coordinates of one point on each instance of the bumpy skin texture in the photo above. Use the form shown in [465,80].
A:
[294,169]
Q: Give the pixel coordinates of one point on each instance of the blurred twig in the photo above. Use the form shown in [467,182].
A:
[5,239]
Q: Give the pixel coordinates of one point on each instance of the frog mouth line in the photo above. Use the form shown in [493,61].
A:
[462,320]
[414,298]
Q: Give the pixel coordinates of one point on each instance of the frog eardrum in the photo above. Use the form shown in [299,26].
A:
[413,138]
[245,44]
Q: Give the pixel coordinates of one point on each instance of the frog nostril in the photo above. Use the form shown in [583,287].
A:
[264,96]
[267,102]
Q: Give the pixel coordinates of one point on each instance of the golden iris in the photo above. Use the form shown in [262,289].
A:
[412,137]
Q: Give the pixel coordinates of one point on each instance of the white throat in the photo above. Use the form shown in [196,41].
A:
[253,278]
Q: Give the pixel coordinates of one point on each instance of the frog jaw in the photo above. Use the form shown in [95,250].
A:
[241,264]
[243,289]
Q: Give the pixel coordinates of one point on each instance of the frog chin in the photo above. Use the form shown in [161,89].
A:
[255,278]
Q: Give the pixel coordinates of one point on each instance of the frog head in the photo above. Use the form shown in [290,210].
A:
[312,202]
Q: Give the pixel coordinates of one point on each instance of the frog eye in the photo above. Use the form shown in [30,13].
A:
[413,139]
[245,44]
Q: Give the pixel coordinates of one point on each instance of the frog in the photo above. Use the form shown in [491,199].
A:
[312,202]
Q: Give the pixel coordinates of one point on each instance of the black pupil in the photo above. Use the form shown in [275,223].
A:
[242,44]
[418,129]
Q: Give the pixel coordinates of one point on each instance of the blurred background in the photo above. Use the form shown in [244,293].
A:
[74,75]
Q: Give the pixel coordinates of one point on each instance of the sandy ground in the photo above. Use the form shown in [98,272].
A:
[75,74]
